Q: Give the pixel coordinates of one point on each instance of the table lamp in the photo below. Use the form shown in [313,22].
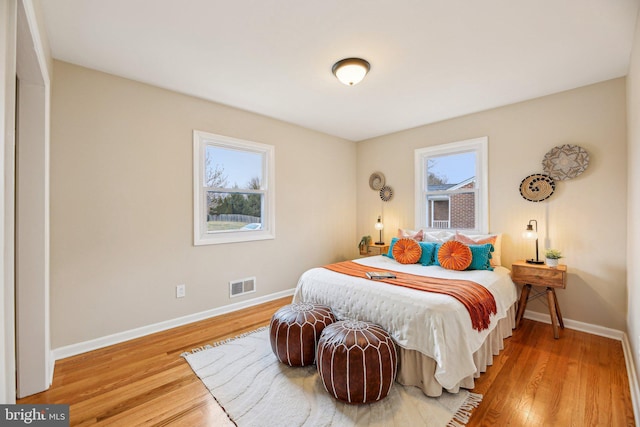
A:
[531,234]
[379,226]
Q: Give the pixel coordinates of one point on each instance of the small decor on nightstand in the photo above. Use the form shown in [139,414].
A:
[553,255]
[364,245]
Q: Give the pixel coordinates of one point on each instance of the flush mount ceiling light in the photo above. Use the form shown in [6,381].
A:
[351,71]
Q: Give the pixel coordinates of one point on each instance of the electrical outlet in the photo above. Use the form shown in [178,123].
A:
[181,291]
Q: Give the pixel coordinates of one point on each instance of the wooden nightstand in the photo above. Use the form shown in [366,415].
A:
[540,275]
[377,250]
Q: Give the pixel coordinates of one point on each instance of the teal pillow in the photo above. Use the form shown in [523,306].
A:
[435,254]
[481,254]
[428,249]
[390,253]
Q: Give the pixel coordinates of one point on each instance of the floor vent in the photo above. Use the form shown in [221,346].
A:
[242,286]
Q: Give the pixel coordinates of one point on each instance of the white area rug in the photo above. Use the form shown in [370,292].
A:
[255,389]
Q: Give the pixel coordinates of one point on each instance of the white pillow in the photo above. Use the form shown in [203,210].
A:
[411,234]
[438,236]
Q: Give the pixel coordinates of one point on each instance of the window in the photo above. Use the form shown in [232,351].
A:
[233,197]
[452,186]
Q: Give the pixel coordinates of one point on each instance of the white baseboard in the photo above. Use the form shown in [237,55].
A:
[83,347]
[576,325]
[633,376]
[607,333]
[52,367]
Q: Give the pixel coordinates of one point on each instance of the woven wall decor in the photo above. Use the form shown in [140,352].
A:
[565,161]
[376,181]
[537,187]
[386,193]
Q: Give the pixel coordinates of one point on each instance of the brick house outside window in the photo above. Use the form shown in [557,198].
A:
[455,211]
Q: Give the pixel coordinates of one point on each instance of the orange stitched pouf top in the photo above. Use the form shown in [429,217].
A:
[454,255]
[406,251]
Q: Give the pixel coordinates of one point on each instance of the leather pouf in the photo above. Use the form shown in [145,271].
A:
[357,361]
[295,330]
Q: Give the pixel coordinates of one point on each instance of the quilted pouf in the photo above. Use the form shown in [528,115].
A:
[295,330]
[357,361]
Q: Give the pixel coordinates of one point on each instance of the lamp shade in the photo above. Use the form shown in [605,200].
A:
[379,225]
[351,71]
[529,233]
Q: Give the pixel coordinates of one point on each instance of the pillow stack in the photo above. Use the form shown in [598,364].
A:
[453,251]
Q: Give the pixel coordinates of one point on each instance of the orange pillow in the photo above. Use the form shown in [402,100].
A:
[454,255]
[407,251]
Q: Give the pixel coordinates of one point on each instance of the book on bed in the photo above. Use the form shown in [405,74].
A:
[380,275]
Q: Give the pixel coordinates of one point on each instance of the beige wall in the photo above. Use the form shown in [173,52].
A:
[633,246]
[121,206]
[586,216]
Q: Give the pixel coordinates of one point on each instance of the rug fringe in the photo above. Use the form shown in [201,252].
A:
[219,343]
[461,418]
[196,350]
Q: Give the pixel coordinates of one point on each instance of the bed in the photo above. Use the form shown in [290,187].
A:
[438,347]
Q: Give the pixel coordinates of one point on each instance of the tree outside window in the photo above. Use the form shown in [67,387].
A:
[234,195]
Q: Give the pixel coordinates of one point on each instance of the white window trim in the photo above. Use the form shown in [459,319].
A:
[200,235]
[480,146]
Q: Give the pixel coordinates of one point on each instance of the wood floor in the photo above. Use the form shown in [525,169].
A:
[578,380]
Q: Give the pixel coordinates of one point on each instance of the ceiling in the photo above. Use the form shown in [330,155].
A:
[430,59]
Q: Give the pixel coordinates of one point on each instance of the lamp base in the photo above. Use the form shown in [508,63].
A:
[534,261]
[379,243]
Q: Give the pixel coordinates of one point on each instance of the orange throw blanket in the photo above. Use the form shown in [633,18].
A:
[477,299]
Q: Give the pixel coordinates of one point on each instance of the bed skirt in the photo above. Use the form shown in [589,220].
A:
[418,370]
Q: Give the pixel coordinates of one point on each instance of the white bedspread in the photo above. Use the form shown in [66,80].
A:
[437,325]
